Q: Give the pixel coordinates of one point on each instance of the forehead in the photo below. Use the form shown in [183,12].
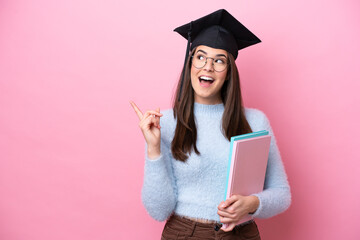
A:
[211,51]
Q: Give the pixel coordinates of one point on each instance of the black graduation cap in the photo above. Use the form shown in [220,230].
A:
[217,30]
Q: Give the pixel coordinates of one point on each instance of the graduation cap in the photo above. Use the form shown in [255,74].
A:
[217,30]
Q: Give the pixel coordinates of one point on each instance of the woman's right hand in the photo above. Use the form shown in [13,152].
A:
[150,127]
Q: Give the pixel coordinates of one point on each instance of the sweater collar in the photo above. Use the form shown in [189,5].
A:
[205,108]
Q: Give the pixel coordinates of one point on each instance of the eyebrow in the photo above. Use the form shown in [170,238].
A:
[217,55]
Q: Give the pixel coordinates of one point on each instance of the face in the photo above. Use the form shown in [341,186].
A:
[205,81]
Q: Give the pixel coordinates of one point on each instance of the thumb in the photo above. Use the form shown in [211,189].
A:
[228,227]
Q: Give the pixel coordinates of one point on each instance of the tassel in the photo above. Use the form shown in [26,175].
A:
[186,57]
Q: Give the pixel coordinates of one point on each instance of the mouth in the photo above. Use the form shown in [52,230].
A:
[206,81]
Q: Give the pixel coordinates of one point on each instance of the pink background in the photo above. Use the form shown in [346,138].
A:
[71,152]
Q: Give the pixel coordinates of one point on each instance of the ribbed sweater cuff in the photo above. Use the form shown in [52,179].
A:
[259,209]
[154,165]
[159,158]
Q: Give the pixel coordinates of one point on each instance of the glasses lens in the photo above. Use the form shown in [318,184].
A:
[219,64]
[199,60]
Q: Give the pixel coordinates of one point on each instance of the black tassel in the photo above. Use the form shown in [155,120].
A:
[186,57]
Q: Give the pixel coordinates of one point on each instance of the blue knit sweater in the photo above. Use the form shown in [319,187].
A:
[195,188]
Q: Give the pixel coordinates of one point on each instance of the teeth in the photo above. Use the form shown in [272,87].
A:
[206,78]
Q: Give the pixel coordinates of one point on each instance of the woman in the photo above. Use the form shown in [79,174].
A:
[186,160]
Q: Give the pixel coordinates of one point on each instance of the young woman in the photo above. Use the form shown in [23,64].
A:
[186,158]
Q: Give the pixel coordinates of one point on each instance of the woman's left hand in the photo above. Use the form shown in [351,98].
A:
[235,208]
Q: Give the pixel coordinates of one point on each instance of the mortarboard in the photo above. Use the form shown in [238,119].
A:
[217,30]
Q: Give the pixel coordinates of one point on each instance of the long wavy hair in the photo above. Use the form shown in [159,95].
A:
[233,119]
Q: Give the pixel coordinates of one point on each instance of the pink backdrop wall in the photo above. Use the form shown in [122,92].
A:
[71,153]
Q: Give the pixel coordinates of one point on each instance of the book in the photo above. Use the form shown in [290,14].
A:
[247,165]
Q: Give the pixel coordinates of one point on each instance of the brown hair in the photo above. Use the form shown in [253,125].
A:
[233,119]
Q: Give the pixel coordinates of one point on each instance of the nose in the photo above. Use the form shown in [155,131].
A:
[209,66]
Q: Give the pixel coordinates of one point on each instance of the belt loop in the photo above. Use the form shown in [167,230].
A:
[193,228]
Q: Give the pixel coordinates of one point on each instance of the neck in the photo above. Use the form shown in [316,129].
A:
[213,101]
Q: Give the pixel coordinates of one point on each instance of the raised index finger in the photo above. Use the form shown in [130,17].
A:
[137,110]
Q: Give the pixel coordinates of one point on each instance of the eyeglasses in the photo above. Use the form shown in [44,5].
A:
[219,64]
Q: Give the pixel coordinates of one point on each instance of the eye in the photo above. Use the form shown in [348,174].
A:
[200,57]
[220,61]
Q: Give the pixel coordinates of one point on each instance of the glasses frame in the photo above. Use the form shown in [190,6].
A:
[212,63]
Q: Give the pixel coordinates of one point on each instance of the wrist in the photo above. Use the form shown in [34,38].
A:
[254,204]
[153,152]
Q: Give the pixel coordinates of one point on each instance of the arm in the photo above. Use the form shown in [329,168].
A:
[158,191]
[274,199]
[158,194]
[276,196]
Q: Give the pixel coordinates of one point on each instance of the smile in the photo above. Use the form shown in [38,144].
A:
[206,81]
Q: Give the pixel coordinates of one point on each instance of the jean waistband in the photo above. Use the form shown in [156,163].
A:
[191,223]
